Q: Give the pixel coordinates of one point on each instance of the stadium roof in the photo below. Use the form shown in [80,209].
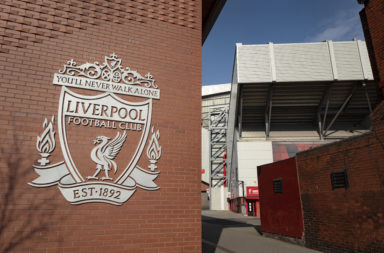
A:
[321,86]
[208,90]
[303,62]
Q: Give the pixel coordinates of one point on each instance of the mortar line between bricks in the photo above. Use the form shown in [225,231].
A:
[344,150]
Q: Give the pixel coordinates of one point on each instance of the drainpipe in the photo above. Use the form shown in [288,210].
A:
[243,205]
[242,183]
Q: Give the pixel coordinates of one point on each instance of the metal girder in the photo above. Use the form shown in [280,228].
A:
[219,151]
[268,111]
[219,182]
[217,170]
[325,99]
[240,119]
[367,96]
[218,120]
[322,113]
[350,111]
[341,109]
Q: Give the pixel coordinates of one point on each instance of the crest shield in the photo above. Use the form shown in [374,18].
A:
[112,116]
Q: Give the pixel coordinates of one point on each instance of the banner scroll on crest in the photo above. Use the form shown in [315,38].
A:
[79,193]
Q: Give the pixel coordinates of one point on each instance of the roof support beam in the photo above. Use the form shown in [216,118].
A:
[240,117]
[268,111]
[367,96]
[350,111]
[325,113]
[320,125]
[342,108]
[325,99]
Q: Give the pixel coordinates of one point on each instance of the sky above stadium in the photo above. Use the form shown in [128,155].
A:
[277,21]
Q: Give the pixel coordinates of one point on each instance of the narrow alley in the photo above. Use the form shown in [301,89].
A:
[227,232]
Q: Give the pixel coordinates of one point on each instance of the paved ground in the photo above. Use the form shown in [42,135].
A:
[227,232]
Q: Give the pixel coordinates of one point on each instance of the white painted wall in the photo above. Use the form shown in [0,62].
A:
[205,154]
[218,199]
[250,155]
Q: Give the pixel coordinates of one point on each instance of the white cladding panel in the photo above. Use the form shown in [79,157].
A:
[218,199]
[348,61]
[302,62]
[205,154]
[207,90]
[251,155]
[254,63]
[365,60]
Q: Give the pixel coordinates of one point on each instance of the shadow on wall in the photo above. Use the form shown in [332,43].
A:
[24,217]
[212,229]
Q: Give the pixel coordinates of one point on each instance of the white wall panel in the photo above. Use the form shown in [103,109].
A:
[302,62]
[218,200]
[254,63]
[251,155]
[205,154]
[365,60]
[348,61]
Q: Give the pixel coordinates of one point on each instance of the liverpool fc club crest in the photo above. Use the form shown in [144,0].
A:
[103,136]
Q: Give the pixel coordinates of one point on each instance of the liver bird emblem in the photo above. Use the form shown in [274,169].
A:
[105,152]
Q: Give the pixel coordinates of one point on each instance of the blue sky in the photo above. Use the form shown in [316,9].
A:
[277,21]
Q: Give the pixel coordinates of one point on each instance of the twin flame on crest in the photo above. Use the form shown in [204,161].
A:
[45,143]
[154,150]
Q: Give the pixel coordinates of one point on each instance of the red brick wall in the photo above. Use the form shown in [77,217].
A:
[351,219]
[36,39]
[280,213]
[372,21]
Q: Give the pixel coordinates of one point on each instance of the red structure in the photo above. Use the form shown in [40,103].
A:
[252,201]
[280,208]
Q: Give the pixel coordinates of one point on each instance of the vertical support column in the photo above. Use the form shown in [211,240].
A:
[272,60]
[218,120]
[333,59]
[320,125]
[268,106]
[321,121]
[343,106]
[240,118]
[367,96]
[363,67]
[210,160]
[268,111]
